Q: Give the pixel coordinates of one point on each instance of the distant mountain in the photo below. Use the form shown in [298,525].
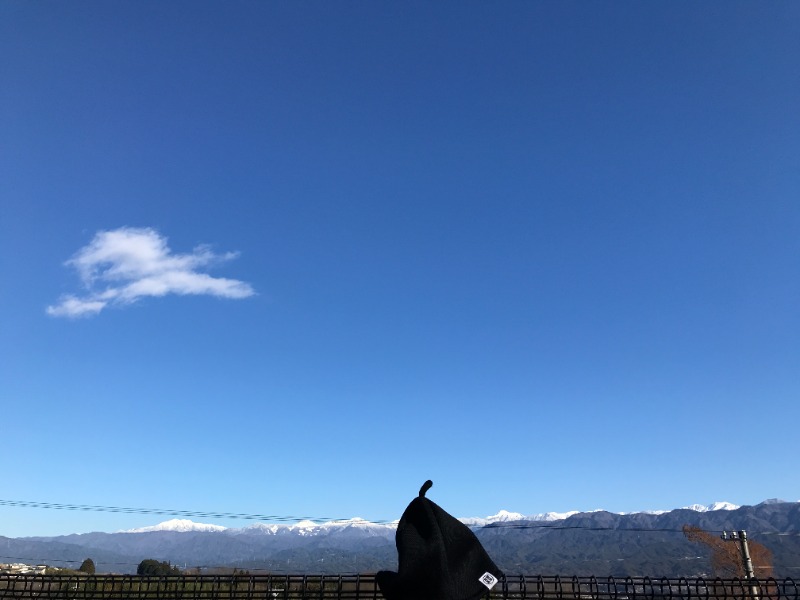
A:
[713,507]
[310,527]
[574,543]
[178,525]
[603,543]
[506,517]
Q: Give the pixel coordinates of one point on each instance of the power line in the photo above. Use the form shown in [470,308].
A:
[170,512]
[297,519]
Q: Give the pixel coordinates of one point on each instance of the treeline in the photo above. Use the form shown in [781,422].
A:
[147,568]
[153,568]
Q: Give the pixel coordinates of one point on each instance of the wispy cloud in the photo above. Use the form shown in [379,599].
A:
[120,266]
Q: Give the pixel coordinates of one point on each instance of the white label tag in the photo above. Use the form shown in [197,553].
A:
[488,580]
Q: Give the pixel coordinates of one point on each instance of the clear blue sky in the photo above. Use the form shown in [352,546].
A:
[294,258]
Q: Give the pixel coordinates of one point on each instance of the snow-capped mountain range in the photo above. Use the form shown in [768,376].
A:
[181,525]
[581,543]
[308,527]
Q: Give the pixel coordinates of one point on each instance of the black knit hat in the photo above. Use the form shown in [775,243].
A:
[439,558]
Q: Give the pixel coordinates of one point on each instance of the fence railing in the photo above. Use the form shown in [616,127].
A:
[364,587]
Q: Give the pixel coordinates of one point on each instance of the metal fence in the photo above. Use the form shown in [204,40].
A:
[364,587]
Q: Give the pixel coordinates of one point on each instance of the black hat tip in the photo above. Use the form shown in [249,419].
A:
[425,487]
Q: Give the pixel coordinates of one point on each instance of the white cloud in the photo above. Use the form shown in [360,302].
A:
[120,266]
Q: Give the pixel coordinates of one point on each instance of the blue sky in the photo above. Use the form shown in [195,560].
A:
[294,258]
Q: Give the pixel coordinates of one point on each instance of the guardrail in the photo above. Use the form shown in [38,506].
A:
[364,587]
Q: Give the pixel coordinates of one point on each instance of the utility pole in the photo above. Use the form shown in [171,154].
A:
[741,537]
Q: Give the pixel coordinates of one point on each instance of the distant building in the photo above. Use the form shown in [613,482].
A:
[21,569]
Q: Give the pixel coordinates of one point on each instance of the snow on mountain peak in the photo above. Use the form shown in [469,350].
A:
[308,527]
[505,515]
[553,516]
[723,506]
[305,525]
[712,507]
[354,522]
[262,527]
[180,525]
[500,517]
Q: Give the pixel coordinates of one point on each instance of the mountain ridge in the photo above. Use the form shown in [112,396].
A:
[585,543]
[184,525]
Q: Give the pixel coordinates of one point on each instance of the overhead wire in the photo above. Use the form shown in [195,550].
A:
[298,519]
[170,512]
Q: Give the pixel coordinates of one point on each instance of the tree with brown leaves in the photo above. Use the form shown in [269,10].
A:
[726,555]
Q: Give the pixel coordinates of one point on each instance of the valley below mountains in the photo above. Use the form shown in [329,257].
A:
[594,543]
